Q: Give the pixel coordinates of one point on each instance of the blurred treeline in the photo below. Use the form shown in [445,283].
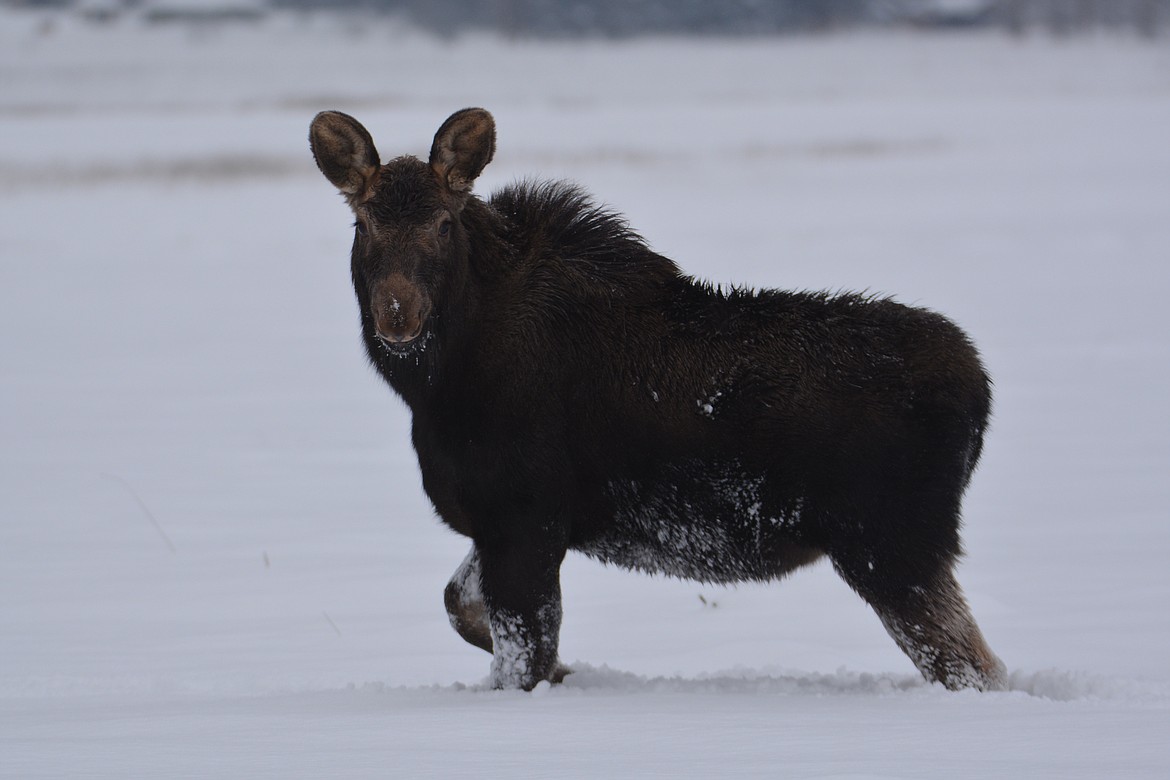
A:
[624,18]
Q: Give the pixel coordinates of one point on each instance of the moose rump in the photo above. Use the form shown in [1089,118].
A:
[572,389]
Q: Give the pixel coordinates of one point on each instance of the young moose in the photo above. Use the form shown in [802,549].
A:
[571,389]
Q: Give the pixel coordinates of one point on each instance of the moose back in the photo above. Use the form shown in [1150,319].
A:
[573,390]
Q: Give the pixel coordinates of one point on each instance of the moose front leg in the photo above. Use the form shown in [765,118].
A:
[520,583]
[463,598]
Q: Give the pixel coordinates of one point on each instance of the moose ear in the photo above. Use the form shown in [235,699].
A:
[345,153]
[463,146]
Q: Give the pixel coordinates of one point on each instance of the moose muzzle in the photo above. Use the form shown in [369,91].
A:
[400,310]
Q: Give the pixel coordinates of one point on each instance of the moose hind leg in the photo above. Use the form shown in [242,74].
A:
[464,601]
[930,621]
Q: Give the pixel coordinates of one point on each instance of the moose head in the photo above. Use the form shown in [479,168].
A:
[409,239]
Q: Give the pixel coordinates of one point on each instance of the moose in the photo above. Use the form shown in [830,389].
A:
[571,389]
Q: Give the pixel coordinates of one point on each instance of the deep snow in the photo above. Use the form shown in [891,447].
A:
[215,555]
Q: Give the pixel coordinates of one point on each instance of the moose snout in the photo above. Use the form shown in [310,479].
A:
[394,337]
[400,311]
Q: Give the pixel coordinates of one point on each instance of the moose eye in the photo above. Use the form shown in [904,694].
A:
[361,228]
[445,227]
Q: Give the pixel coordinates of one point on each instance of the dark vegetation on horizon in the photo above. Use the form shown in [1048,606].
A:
[628,18]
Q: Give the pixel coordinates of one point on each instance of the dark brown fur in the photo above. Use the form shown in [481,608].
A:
[572,389]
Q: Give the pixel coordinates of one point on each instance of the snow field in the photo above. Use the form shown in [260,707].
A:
[181,368]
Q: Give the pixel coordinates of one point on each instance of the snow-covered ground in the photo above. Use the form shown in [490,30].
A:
[215,556]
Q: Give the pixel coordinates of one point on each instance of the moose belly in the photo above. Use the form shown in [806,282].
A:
[703,523]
